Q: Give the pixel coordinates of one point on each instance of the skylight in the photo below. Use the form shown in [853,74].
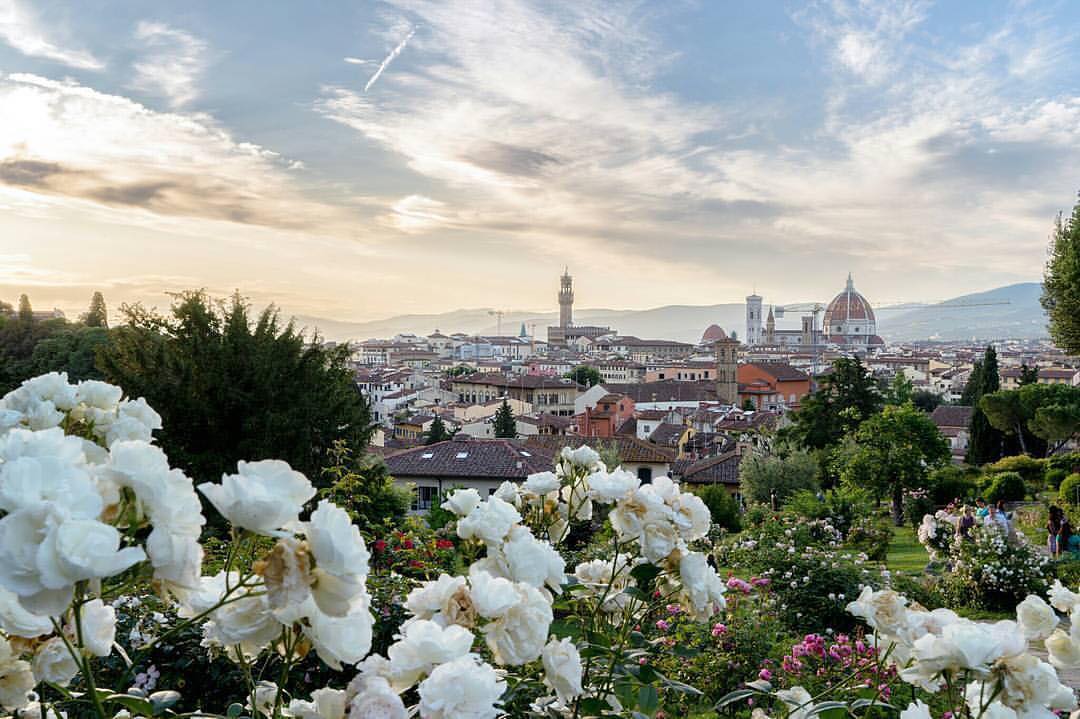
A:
[462,455]
[427,455]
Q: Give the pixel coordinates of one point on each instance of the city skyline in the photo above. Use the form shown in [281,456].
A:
[360,162]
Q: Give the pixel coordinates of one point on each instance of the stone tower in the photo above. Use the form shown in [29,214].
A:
[770,329]
[727,370]
[753,320]
[566,300]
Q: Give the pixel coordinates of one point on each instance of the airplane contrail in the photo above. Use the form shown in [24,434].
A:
[389,59]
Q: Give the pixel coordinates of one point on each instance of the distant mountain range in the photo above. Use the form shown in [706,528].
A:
[1022,318]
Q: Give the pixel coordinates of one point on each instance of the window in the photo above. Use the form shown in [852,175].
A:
[424,497]
[645,474]
[462,455]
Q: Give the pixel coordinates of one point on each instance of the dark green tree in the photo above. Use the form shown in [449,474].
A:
[18,341]
[232,386]
[765,479]
[585,375]
[26,312]
[98,314]
[1028,375]
[926,400]
[848,395]
[72,350]
[505,424]
[438,432]
[1061,283]
[985,443]
[894,451]
[748,405]
[900,389]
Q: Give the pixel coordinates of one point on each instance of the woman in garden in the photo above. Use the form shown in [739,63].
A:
[967,521]
[1065,535]
[1053,528]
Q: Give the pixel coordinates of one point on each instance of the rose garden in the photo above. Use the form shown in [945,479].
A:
[579,593]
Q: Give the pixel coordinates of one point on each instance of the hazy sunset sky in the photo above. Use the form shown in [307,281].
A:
[361,159]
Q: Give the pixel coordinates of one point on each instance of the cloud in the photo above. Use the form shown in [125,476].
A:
[173,63]
[20,30]
[65,140]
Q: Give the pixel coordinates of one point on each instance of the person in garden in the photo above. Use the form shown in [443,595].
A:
[1065,535]
[983,509]
[967,521]
[1053,528]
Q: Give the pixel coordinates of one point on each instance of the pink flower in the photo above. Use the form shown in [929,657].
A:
[765,674]
[718,629]
[662,625]
[673,609]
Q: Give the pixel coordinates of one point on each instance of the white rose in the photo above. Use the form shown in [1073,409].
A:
[658,539]
[464,687]
[584,456]
[489,522]
[1064,650]
[562,668]
[611,487]
[533,561]
[53,387]
[1036,618]
[325,703]
[247,623]
[508,492]
[1028,683]
[54,663]
[17,622]
[884,610]
[335,541]
[462,501]
[423,646]
[1062,598]
[541,483]
[341,640]
[127,429]
[798,701]
[598,574]
[28,481]
[916,710]
[377,700]
[176,558]
[98,627]
[491,596]
[101,395]
[518,636]
[433,597]
[16,679]
[80,549]
[702,588]
[335,593]
[692,518]
[266,694]
[140,411]
[262,497]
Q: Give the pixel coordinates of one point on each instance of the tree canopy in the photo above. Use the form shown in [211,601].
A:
[1061,283]
[585,375]
[231,386]
[505,424]
[985,443]
[848,395]
[764,479]
[438,432]
[894,451]
[97,315]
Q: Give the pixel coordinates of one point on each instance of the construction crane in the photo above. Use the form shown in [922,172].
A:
[498,315]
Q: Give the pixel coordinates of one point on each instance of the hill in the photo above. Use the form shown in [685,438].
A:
[1021,318]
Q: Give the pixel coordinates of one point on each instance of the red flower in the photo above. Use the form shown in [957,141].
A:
[444,544]
[417,564]
[380,545]
[407,544]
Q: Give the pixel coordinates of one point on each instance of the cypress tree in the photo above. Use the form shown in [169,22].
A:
[98,314]
[985,442]
[438,432]
[505,426]
[26,312]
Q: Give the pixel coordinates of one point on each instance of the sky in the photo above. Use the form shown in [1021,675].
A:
[357,160]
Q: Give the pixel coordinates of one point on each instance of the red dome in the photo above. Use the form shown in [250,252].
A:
[713,333]
[848,305]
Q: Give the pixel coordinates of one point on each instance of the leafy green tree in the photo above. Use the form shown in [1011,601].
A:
[1028,375]
[460,370]
[585,375]
[18,341]
[926,400]
[900,389]
[438,432]
[748,405]
[848,395]
[985,443]
[26,312]
[363,487]
[723,508]
[72,350]
[505,424]
[764,479]
[894,451]
[230,386]
[1055,413]
[98,314]
[1061,283]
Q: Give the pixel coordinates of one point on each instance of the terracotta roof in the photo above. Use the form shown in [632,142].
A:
[667,434]
[722,469]
[630,449]
[666,391]
[469,457]
[713,333]
[529,381]
[848,305]
[952,415]
[781,371]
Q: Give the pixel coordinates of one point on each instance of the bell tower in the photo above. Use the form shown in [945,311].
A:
[727,371]
[566,300]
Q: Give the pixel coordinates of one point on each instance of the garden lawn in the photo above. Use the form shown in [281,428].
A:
[906,554]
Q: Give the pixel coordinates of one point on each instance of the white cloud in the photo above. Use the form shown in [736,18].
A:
[173,64]
[20,30]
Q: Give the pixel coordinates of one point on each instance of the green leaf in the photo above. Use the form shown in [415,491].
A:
[592,705]
[736,696]
[681,651]
[644,574]
[136,705]
[563,629]
[647,699]
[234,711]
[828,710]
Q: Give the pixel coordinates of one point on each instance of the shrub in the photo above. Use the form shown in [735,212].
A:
[763,478]
[842,506]
[992,572]
[722,506]
[1069,462]
[917,504]
[1054,477]
[1032,470]
[1008,486]
[950,483]
[1069,493]
[872,537]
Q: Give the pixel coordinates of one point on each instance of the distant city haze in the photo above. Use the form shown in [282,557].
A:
[353,162]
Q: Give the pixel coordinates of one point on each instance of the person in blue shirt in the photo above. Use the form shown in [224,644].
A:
[983,509]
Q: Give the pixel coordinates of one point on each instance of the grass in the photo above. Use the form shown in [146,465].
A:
[905,554]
